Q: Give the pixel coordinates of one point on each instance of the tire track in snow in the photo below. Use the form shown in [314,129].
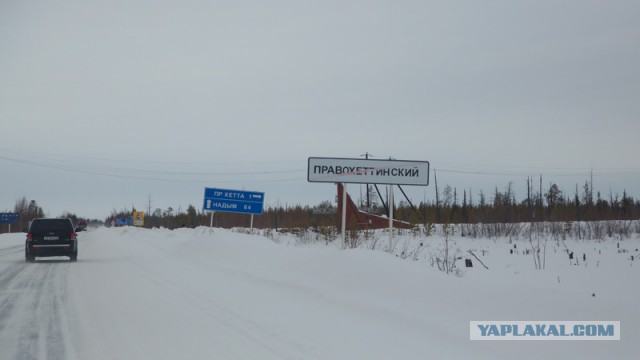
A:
[11,250]
[33,312]
[7,275]
[7,294]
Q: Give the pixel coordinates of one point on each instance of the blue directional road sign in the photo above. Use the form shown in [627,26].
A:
[9,218]
[245,202]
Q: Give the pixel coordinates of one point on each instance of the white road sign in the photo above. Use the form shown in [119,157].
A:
[366,171]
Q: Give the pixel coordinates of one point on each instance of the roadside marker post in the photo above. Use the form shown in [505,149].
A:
[344,216]
[390,218]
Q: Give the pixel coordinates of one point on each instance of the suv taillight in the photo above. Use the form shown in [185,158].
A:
[73,236]
[29,236]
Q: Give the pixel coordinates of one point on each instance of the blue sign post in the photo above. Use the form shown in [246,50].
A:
[9,218]
[244,202]
[237,201]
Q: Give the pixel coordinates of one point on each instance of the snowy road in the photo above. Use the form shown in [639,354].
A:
[112,305]
[33,308]
[185,294]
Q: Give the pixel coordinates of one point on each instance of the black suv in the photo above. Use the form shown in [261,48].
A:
[51,237]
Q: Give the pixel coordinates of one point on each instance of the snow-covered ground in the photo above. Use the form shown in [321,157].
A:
[202,294]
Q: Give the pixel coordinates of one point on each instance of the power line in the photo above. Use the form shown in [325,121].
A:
[153,172]
[146,174]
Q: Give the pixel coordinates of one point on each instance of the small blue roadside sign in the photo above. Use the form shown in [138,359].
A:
[9,218]
[244,202]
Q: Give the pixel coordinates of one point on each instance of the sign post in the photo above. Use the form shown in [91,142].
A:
[390,218]
[367,171]
[138,218]
[236,201]
[9,218]
[344,216]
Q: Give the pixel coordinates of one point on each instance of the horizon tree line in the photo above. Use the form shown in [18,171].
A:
[449,207]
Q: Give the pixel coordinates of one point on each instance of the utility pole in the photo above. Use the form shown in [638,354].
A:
[591,188]
[366,156]
[149,206]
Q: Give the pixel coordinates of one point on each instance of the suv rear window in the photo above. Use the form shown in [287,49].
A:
[57,225]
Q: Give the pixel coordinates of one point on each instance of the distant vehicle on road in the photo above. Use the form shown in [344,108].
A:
[51,237]
[82,226]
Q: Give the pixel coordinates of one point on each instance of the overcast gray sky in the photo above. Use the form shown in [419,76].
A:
[105,103]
